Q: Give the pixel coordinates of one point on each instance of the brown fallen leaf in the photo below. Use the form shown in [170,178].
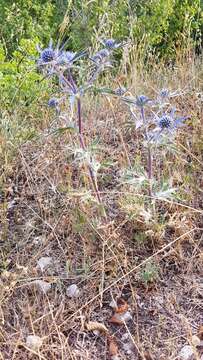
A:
[200,332]
[122,306]
[113,347]
[94,325]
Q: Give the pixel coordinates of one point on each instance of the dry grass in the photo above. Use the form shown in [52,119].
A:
[46,212]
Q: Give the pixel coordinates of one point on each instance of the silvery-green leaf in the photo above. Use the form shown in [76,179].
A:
[80,54]
[105,91]
[129,100]
[72,101]
[164,194]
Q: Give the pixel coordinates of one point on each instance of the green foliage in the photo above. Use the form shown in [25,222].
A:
[19,81]
[22,90]
[25,19]
[150,273]
[159,26]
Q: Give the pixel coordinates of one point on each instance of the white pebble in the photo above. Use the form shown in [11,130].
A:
[42,285]
[73,291]
[44,262]
[33,342]
[186,353]
[126,316]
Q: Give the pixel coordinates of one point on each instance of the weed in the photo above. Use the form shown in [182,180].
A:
[150,273]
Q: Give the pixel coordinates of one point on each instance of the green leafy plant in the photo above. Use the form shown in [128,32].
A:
[150,273]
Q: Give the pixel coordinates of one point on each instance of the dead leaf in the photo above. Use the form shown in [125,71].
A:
[94,325]
[200,332]
[195,341]
[186,353]
[44,262]
[113,347]
[122,306]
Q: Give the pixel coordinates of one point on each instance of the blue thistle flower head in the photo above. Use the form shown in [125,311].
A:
[165,122]
[142,100]
[112,44]
[53,102]
[66,58]
[166,125]
[100,56]
[164,93]
[120,91]
[47,55]
[170,122]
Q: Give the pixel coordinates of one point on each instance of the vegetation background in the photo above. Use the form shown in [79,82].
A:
[40,217]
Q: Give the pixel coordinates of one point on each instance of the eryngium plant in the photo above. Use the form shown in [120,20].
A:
[67,67]
[157,121]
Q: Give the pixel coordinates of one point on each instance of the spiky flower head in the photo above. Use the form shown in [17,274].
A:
[110,43]
[165,122]
[66,57]
[53,102]
[168,124]
[164,93]
[142,100]
[100,56]
[120,91]
[47,55]
[113,44]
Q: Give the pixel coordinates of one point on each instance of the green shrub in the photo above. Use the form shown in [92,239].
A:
[160,26]
[20,83]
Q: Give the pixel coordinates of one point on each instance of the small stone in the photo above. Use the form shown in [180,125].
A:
[126,316]
[121,318]
[44,262]
[73,291]
[186,353]
[125,337]
[42,285]
[33,342]
[96,332]
[128,347]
